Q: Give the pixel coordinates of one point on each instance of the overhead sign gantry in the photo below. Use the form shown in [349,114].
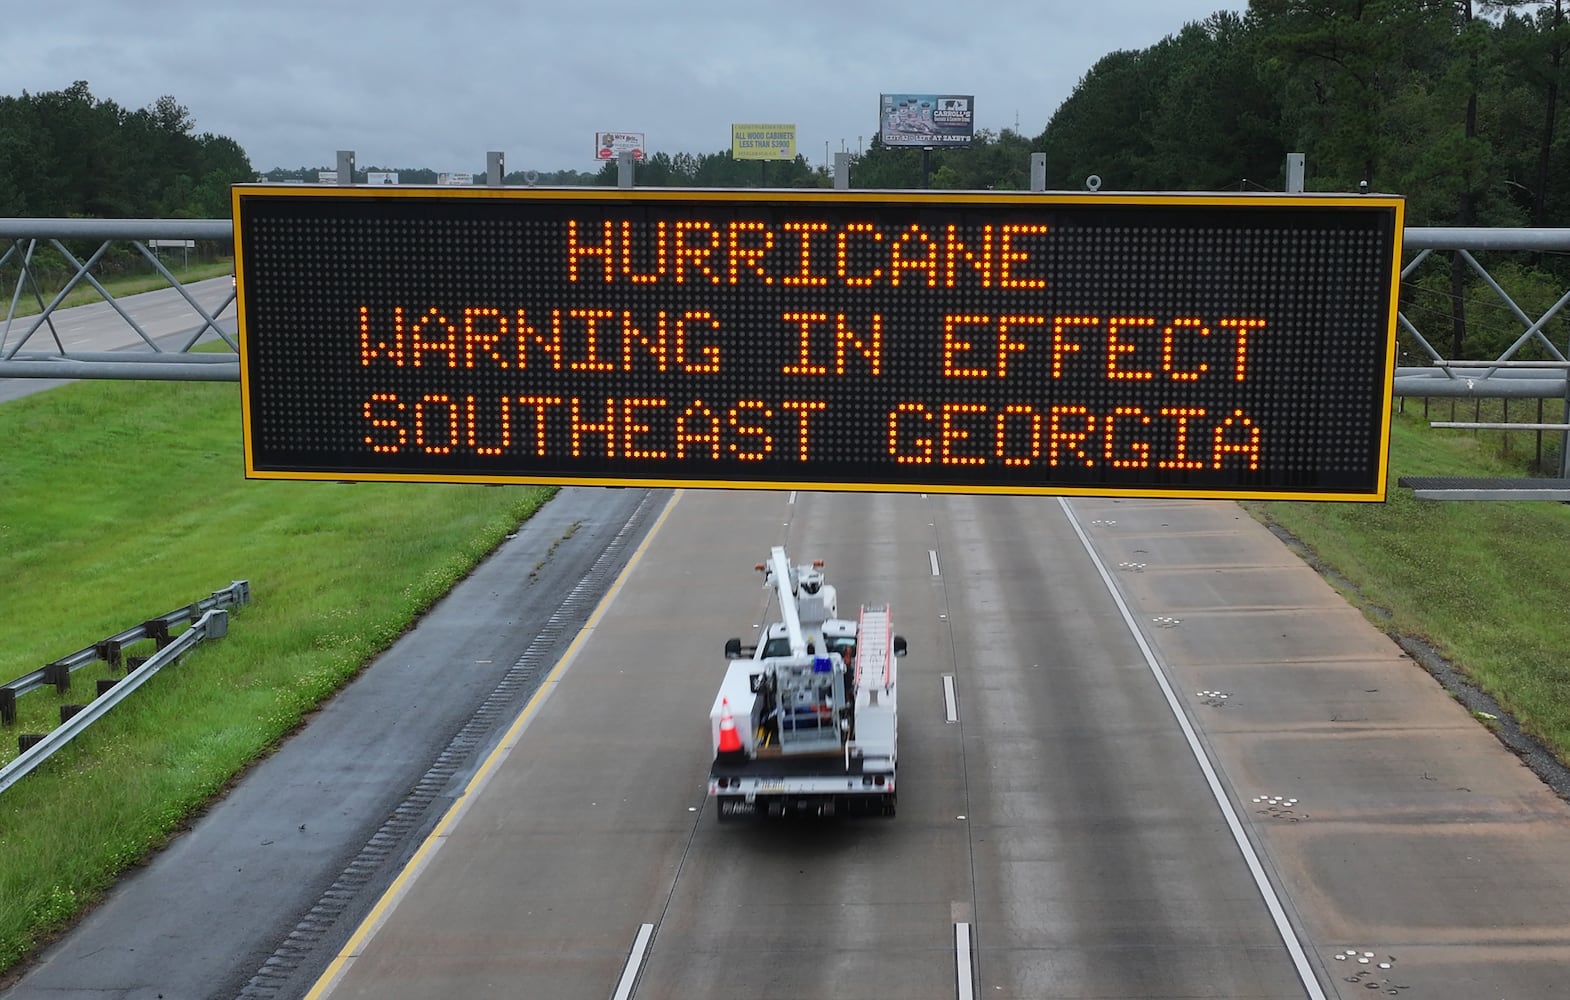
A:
[1029,343]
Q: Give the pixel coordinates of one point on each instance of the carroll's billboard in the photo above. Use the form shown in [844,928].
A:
[926,119]
[1208,346]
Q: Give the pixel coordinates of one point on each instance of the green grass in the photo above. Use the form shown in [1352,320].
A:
[124,500]
[1483,582]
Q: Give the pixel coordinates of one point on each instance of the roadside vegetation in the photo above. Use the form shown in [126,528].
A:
[124,500]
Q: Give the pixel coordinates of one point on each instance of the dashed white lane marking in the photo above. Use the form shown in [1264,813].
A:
[629,974]
[964,981]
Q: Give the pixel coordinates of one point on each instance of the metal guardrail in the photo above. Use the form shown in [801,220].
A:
[111,650]
[213,624]
[19,237]
[20,240]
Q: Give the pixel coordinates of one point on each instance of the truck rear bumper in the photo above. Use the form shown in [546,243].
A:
[836,795]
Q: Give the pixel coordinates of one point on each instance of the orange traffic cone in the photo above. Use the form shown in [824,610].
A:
[730,740]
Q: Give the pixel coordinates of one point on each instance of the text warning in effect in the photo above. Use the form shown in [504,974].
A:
[1172,345]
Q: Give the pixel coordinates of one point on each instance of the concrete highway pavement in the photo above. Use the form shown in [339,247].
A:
[1064,819]
[164,314]
[1394,823]
[96,326]
[1182,767]
[1063,829]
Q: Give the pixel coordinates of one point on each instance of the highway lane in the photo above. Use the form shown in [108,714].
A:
[1103,867]
[96,326]
[1062,819]
[1397,829]
[163,314]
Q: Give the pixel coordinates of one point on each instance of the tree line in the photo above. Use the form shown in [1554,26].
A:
[1454,104]
[66,153]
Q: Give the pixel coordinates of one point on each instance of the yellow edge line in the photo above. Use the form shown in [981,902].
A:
[389,899]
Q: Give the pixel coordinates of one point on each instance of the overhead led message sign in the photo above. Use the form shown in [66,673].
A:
[1202,346]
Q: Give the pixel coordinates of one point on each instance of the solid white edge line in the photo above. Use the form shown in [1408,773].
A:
[1294,947]
[964,985]
[629,974]
[950,706]
[932,557]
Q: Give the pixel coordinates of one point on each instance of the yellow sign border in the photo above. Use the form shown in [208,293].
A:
[1395,203]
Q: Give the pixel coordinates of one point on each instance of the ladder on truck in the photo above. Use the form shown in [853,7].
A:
[876,722]
[874,657]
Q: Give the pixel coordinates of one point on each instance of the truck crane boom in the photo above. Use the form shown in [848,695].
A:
[806,719]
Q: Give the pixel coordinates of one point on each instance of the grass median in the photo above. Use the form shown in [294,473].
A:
[124,500]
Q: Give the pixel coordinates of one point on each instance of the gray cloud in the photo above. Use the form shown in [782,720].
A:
[420,83]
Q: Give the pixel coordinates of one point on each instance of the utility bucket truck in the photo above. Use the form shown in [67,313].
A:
[806,719]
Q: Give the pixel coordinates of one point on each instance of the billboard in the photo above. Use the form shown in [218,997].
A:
[609,145]
[926,119]
[455,178]
[762,141]
[381,177]
[965,342]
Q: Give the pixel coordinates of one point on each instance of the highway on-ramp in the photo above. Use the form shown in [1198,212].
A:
[164,314]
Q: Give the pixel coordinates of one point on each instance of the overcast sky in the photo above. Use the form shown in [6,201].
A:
[428,83]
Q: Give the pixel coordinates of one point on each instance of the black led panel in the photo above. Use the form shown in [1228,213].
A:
[1182,345]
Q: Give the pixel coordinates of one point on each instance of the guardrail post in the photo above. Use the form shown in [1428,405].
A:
[110,652]
[58,673]
[105,683]
[66,711]
[157,629]
[27,741]
[7,706]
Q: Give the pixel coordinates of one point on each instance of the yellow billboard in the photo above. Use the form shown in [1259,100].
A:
[762,141]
